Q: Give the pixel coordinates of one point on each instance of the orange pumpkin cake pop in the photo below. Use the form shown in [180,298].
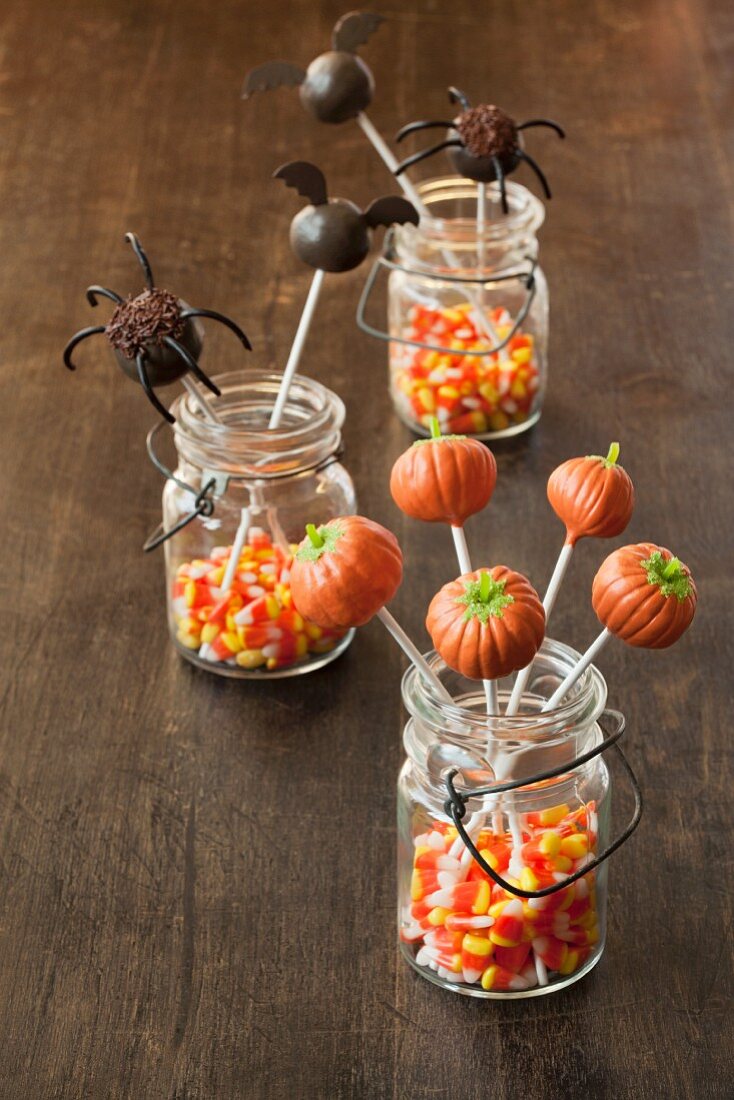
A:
[592,496]
[644,595]
[487,624]
[345,571]
[444,479]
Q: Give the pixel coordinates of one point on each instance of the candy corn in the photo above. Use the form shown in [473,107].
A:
[470,394]
[254,625]
[470,930]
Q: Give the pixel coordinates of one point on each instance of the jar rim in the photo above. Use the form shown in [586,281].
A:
[526,212]
[583,706]
[242,444]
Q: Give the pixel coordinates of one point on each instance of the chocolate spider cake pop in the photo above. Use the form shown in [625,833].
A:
[334,234]
[337,85]
[484,143]
[154,335]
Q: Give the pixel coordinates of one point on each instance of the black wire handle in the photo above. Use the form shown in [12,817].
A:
[203,502]
[391,265]
[455,807]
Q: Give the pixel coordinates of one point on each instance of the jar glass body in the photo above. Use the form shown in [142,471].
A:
[286,478]
[463,289]
[457,927]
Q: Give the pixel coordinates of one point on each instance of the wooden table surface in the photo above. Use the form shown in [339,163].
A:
[197,893]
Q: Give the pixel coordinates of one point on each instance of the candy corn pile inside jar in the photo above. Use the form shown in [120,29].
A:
[470,394]
[254,625]
[468,930]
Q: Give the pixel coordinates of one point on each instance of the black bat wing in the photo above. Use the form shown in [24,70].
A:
[306,178]
[353,29]
[273,74]
[390,210]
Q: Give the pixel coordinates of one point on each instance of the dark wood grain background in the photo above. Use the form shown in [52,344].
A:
[197,876]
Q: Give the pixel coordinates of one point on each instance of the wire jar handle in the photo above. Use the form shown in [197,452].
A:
[387,261]
[455,807]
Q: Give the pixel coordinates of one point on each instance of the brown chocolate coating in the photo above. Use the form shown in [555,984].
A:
[337,87]
[638,610]
[333,237]
[139,324]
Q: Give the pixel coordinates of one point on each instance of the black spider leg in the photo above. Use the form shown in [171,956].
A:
[93,292]
[145,383]
[192,364]
[426,153]
[544,122]
[214,316]
[77,339]
[142,258]
[500,174]
[413,127]
[457,96]
[536,168]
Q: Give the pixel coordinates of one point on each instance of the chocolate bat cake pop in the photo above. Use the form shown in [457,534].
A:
[334,234]
[337,85]
[154,335]
[484,143]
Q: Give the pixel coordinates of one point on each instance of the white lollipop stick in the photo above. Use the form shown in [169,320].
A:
[413,653]
[462,556]
[234,554]
[549,600]
[392,164]
[296,350]
[201,401]
[578,669]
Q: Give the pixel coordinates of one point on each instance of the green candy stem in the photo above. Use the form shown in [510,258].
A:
[669,576]
[314,536]
[435,428]
[484,598]
[612,454]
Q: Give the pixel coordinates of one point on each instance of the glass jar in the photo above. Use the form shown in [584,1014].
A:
[283,478]
[468,312]
[540,815]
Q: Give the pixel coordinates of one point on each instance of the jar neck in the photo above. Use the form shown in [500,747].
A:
[242,447]
[452,237]
[496,748]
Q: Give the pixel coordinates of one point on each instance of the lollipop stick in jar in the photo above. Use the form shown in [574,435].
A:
[297,348]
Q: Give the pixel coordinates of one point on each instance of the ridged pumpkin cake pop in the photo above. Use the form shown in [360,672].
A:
[345,571]
[487,624]
[593,496]
[644,596]
[444,479]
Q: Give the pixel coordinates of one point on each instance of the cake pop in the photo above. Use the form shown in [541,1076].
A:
[593,497]
[154,335]
[334,234]
[487,624]
[484,143]
[337,85]
[345,571]
[444,479]
[642,595]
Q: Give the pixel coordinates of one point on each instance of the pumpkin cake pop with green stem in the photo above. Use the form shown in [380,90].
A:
[446,479]
[344,572]
[594,498]
[642,595]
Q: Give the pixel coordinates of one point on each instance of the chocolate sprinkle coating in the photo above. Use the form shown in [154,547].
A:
[145,319]
[487,131]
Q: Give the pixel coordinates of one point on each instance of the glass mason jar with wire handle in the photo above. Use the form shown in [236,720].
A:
[467,312]
[504,831]
[238,484]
